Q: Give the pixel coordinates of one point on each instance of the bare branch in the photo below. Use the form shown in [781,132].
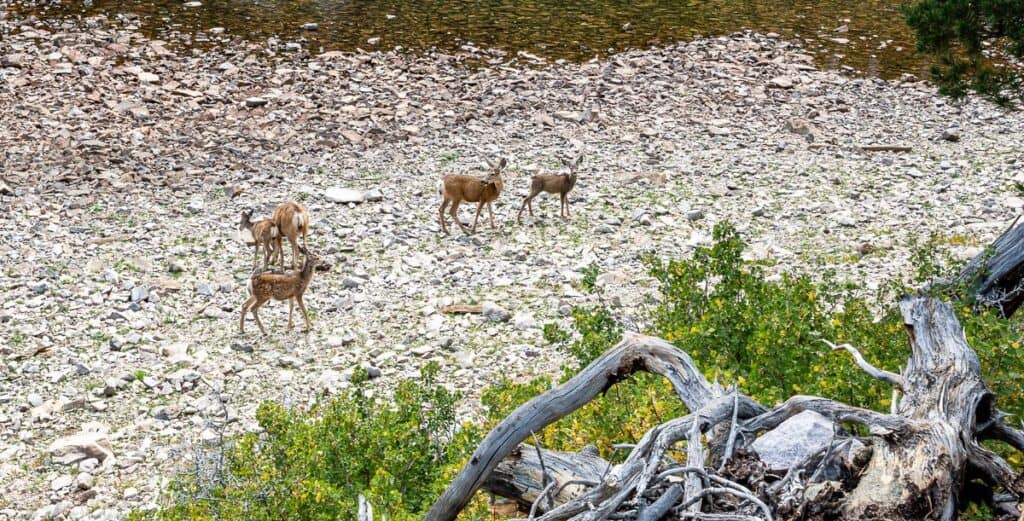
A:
[874,372]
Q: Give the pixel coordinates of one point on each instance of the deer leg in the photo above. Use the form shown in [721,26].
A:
[255,308]
[519,216]
[479,206]
[302,308]
[565,204]
[440,216]
[291,307]
[455,215]
[279,251]
[490,211]
[245,308]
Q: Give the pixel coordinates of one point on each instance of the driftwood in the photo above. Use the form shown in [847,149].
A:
[916,465]
[922,461]
[995,278]
[886,148]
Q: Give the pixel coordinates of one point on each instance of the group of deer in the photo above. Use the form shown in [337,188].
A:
[291,220]
[458,188]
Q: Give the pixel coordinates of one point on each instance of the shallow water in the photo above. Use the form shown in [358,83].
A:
[879,41]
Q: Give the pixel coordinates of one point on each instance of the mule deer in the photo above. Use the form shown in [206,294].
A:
[473,189]
[291,219]
[559,184]
[288,286]
[262,233]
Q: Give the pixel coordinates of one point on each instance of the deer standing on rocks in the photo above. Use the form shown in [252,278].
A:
[262,233]
[458,188]
[288,286]
[291,219]
[559,184]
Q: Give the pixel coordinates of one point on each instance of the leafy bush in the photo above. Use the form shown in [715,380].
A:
[738,324]
[313,465]
[762,333]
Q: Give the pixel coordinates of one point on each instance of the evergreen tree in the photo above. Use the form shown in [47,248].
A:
[973,40]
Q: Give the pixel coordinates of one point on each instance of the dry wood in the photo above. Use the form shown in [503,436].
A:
[885,148]
[915,467]
[462,309]
[110,239]
[995,277]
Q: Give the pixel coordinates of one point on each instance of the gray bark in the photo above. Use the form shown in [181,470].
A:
[915,465]
[994,278]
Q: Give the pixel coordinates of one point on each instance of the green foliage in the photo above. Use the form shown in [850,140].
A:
[764,334]
[739,325]
[313,465]
[961,34]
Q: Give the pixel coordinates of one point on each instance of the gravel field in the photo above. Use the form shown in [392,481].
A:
[126,164]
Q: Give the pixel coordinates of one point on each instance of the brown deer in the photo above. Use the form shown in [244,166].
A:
[291,219]
[288,286]
[473,189]
[559,184]
[262,233]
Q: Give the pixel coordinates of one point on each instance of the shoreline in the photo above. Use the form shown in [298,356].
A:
[110,136]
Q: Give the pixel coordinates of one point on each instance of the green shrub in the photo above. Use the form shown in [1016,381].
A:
[739,325]
[763,334]
[313,465]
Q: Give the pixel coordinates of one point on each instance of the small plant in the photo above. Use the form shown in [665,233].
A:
[139,374]
[399,454]
[589,280]
[448,157]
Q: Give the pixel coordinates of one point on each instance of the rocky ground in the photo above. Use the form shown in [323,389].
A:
[122,279]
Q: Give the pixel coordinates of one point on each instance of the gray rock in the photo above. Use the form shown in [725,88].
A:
[372,372]
[794,440]
[39,288]
[84,481]
[495,313]
[524,321]
[139,294]
[255,101]
[352,282]
[311,26]
[34,399]
[951,134]
[374,195]
[175,266]
[694,215]
[75,448]
[204,289]
[373,41]
[781,82]
[604,228]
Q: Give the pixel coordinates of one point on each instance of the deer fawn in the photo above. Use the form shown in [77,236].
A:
[262,233]
[291,219]
[458,188]
[288,286]
[559,184]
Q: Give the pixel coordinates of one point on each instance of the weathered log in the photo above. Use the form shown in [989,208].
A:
[634,353]
[995,277]
[521,477]
[916,464]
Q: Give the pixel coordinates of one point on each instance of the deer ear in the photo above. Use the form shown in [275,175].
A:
[502,163]
[576,163]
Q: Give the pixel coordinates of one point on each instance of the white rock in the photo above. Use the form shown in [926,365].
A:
[794,440]
[75,448]
[344,195]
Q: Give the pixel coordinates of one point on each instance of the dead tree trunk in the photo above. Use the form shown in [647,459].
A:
[913,466]
[995,277]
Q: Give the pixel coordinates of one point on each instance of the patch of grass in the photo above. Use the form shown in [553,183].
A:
[448,157]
